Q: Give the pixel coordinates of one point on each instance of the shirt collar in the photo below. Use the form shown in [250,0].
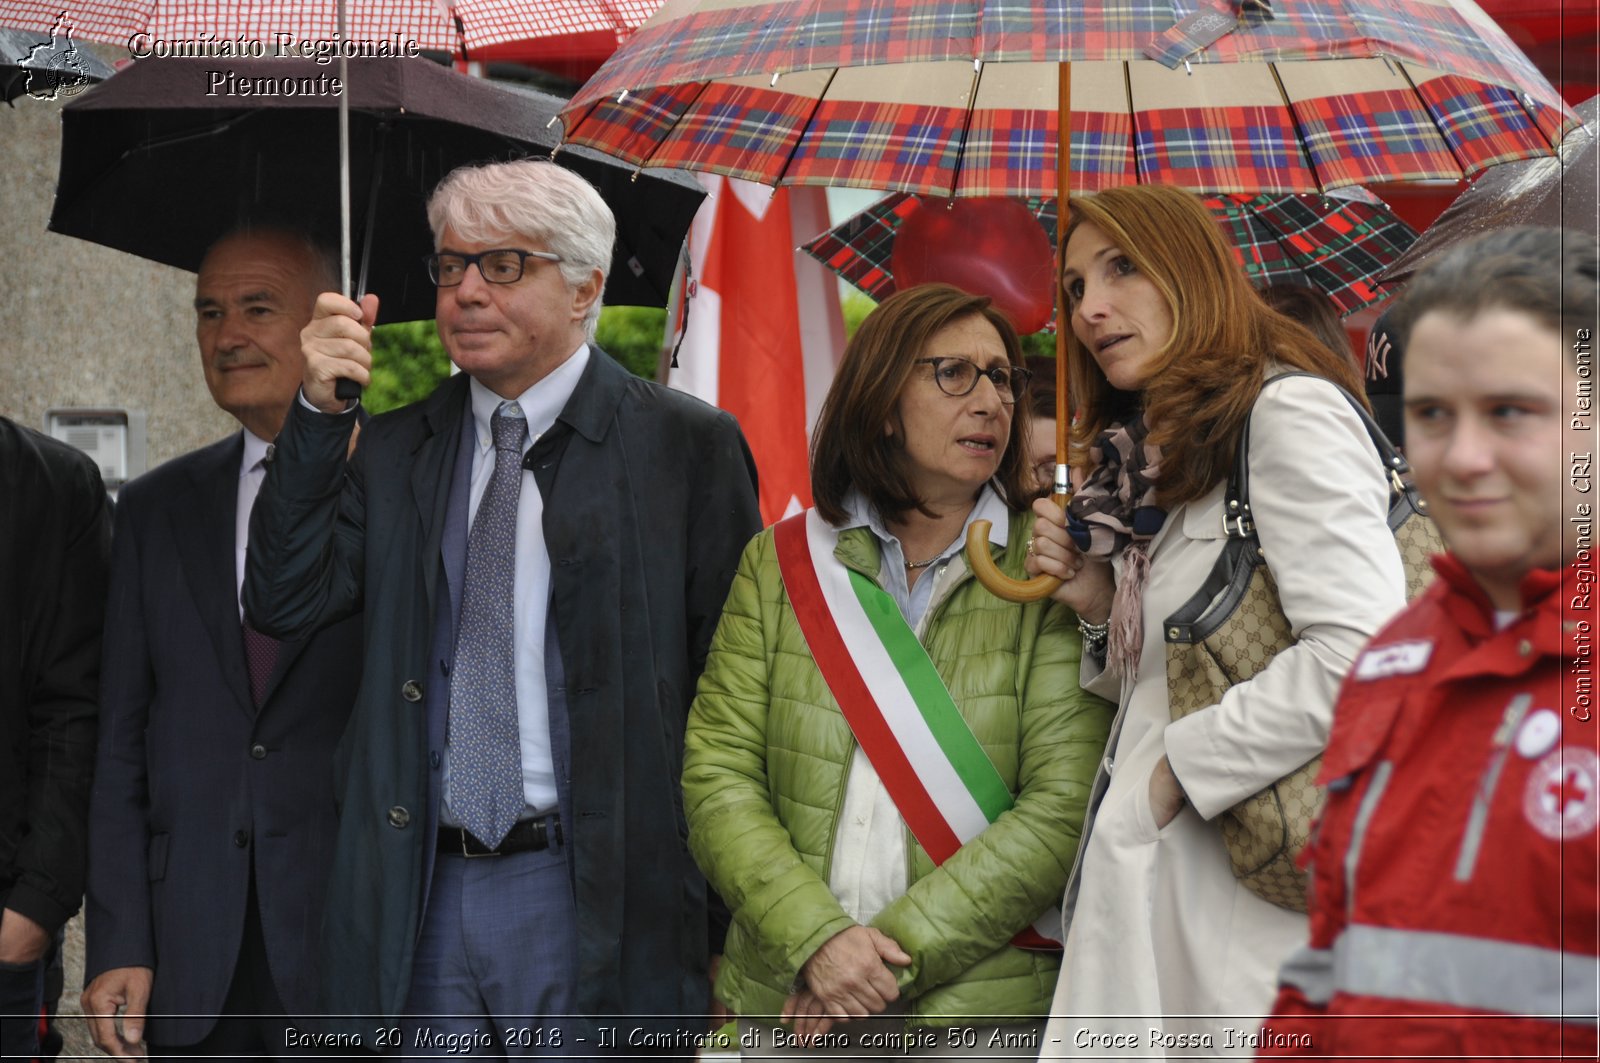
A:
[1476,614]
[541,404]
[255,452]
[860,514]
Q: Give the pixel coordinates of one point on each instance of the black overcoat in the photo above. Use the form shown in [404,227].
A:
[649,497]
[55,548]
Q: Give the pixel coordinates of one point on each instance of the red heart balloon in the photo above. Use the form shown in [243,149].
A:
[992,247]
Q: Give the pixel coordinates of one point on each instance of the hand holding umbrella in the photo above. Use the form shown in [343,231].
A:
[337,345]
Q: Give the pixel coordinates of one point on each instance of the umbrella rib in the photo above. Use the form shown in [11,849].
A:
[174,139]
[966,126]
[795,147]
[1460,162]
[1299,130]
[660,141]
[1133,126]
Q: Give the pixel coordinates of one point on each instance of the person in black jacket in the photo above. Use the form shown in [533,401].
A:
[511,842]
[55,546]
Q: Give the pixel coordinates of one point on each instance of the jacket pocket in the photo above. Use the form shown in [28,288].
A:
[156,857]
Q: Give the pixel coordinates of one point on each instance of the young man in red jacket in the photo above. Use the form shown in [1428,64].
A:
[1454,889]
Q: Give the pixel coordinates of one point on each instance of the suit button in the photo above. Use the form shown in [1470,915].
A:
[411,690]
[433,760]
[399,818]
[258,752]
[241,838]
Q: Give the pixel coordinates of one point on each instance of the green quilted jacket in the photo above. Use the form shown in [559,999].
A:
[765,764]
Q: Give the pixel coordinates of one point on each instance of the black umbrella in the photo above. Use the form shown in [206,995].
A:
[1557,191]
[46,68]
[170,153]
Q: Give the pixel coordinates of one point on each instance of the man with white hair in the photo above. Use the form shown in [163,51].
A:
[542,548]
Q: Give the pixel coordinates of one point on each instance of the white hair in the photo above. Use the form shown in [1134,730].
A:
[536,199]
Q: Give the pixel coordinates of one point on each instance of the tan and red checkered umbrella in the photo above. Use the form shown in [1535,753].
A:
[971,98]
[963,97]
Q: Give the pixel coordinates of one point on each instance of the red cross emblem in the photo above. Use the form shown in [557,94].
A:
[1561,799]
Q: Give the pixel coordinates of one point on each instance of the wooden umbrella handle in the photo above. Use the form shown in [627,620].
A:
[998,583]
[983,567]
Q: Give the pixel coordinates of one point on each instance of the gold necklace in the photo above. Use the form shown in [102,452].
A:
[912,566]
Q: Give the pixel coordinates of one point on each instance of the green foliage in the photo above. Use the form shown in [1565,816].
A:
[856,305]
[632,335]
[408,362]
[1040,344]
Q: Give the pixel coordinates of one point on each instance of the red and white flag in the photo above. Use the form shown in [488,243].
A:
[764,331]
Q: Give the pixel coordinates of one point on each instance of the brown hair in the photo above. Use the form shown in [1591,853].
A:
[849,447]
[1042,388]
[1548,274]
[1312,309]
[1209,373]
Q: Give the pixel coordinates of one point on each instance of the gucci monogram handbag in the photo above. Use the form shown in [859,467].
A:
[1234,626]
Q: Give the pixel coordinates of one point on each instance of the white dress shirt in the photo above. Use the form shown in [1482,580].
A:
[252,470]
[541,404]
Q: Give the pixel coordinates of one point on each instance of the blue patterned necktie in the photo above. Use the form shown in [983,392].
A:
[485,751]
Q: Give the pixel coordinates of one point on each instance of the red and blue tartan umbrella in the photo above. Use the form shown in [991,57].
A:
[1062,97]
[963,97]
[1336,244]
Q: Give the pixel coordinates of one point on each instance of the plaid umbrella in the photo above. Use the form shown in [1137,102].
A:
[1561,191]
[1335,244]
[473,28]
[962,97]
[1062,97]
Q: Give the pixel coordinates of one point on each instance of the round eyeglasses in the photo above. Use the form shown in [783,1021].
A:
[503,265]
[957,377]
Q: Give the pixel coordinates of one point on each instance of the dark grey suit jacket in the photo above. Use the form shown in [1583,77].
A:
[191,779]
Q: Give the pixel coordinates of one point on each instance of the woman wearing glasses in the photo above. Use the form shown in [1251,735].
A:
[1170,354]
[886,766]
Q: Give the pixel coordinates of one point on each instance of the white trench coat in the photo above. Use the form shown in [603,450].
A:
[1165,951]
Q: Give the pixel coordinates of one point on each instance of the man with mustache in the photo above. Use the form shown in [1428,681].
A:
[212,816]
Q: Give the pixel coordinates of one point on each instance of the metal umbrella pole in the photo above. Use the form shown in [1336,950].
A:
[345,388]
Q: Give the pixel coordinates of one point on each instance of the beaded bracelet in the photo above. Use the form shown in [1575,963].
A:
[1094,637]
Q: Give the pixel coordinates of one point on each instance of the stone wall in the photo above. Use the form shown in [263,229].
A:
[82,325]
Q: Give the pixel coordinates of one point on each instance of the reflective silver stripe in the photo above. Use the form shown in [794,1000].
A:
[1310,971]
[1467,972]
[1358,833]
[1500,745]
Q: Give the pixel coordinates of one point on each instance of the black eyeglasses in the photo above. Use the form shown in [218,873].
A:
[957,377]
[503,265]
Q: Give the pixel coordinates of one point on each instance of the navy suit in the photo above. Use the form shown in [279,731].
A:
[194,784]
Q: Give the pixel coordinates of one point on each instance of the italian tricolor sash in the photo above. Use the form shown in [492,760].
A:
[944,785]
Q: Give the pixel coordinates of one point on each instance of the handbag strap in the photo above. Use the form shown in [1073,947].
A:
[1237,522]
